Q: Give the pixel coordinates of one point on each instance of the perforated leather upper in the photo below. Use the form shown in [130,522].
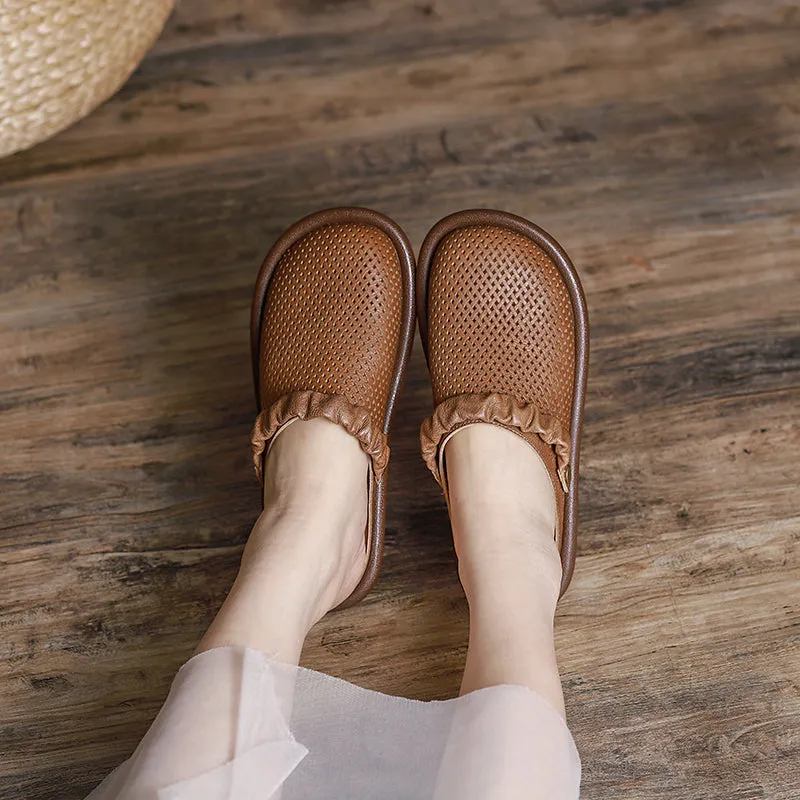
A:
[333,318]
[500,321]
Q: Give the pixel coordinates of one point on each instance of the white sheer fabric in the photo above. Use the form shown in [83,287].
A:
[239,726]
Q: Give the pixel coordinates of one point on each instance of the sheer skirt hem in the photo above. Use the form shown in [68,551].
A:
[238,725]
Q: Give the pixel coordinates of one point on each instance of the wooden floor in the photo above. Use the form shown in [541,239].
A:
[658,140]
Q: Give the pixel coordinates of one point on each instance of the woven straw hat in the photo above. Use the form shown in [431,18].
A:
[59,59]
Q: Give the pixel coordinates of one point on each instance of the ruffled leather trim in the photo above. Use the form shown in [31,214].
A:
[495,409]
[313,405]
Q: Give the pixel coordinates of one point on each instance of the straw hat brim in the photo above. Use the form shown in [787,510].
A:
[59,60]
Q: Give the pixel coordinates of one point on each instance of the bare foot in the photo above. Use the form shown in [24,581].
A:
[503,512]
[307,551]
[315,513]
[502,506]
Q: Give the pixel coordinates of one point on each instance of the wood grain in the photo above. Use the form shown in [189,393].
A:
[658,140]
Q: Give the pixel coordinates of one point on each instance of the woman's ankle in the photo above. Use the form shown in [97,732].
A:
[307,550]
[502,509]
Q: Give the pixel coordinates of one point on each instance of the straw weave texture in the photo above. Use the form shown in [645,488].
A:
[59,59]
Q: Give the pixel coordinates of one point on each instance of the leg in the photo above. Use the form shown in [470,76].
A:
[307,550]
[503,513]
[305,555]
[506,743]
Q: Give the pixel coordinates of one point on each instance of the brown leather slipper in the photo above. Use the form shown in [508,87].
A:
[506,334]
[331,330]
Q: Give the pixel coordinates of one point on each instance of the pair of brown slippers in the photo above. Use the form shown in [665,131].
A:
[503,323]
